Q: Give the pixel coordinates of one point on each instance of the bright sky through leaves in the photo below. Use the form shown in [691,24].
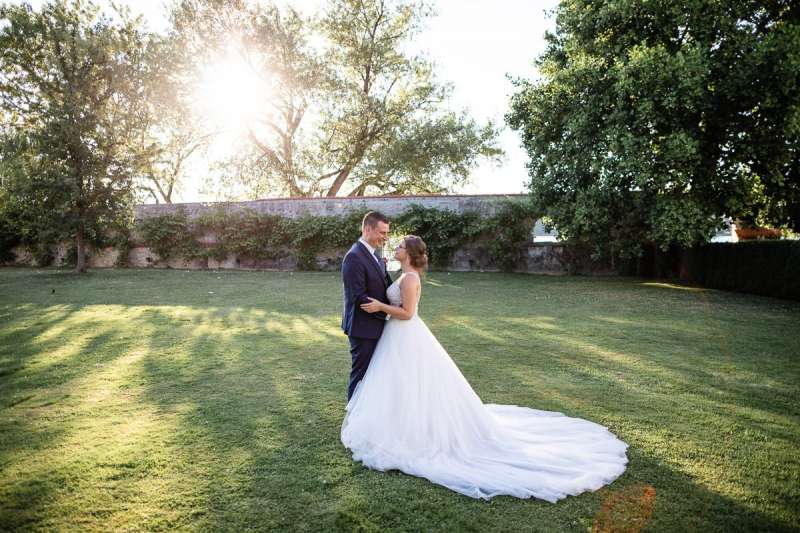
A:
[474,43]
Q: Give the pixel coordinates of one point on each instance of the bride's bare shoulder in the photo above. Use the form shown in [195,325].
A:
[410,278]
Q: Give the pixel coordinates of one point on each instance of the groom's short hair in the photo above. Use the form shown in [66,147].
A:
[372,218]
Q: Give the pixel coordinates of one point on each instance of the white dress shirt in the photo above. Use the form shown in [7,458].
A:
[370,248]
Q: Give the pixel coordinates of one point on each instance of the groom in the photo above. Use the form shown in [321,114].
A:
[364,275]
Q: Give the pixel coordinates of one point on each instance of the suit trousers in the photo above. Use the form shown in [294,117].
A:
[361,351]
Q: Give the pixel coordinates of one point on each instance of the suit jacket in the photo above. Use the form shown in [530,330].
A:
[362,277]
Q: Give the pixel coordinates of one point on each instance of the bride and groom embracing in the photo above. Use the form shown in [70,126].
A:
[410,408]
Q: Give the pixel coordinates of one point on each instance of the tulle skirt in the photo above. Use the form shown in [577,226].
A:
[415,412]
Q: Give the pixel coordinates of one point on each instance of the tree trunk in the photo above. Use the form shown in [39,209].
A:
[340,179]
[80,263]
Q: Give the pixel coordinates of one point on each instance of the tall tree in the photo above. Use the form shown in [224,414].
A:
[385,125]
[71,87]
[349,112]
[653,120]
[170,137]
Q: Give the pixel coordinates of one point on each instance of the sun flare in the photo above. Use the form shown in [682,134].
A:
[231,95]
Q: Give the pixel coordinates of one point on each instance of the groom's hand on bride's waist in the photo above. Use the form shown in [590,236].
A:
[373,306]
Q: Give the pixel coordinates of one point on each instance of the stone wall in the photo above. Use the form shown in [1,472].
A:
[485,204]
[540,257]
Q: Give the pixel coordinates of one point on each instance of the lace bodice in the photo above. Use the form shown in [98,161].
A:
[393,292]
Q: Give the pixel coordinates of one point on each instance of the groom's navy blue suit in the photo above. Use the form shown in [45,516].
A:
[363,276]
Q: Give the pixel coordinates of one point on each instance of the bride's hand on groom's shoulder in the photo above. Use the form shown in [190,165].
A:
[373,306]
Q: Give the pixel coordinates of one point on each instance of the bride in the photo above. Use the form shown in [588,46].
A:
[414,411]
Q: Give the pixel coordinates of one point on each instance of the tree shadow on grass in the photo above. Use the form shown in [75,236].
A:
[277,462]
[404,503]
[47,357]
[252,406]
[21,326]
[251,415]
[46,397]
[35,386]
[615,359]
[667,401]
[45,400]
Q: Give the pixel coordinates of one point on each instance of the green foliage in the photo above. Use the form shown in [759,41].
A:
[10,235]
[33,202]
[653,120]
[123,245]
[246,233]
[359,116]
[312,234]
[170,235]
[70,99]
[443,231]
[769,268]
[510,229]
[172,133]
[507,231]
[8,240]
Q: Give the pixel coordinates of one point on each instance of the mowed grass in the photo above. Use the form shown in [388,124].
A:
[163,400]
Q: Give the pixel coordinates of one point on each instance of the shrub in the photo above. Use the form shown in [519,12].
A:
[170,236]
[766,267]
[247,233]
[10,237]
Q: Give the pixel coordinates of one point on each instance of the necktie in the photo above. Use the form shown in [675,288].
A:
[379,258]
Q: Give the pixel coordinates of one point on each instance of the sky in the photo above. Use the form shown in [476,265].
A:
[474,44]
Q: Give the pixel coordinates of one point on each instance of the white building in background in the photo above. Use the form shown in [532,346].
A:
[540,234]
[726,234]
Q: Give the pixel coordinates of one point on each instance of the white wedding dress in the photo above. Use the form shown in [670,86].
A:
[415,412]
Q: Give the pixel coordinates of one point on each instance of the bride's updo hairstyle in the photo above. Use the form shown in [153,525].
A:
[417,251]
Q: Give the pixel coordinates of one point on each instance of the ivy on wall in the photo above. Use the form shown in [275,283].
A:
[171,235]
[511,228]
[247,233]
[443,231]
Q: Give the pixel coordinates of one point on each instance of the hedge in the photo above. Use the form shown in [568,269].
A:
[768,268]
[267,236]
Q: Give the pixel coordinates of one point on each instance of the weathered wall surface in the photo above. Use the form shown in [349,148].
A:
[540,257]
[484,204]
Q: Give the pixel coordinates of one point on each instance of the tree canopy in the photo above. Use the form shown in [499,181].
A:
[347,110]
[652,121]
[71,84]
[96,112]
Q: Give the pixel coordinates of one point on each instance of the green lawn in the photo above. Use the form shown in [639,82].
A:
[161,400]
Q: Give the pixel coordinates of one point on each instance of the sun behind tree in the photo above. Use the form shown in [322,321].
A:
[348,111]
[230,95]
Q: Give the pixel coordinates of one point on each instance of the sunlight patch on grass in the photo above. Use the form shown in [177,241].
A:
[663,285]
[439,282]
[580,348]
[471,326]
[135,400]
[66,346]
[613,320]
[552,388]
[533,321]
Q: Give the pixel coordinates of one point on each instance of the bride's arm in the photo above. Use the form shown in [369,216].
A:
[409,290]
